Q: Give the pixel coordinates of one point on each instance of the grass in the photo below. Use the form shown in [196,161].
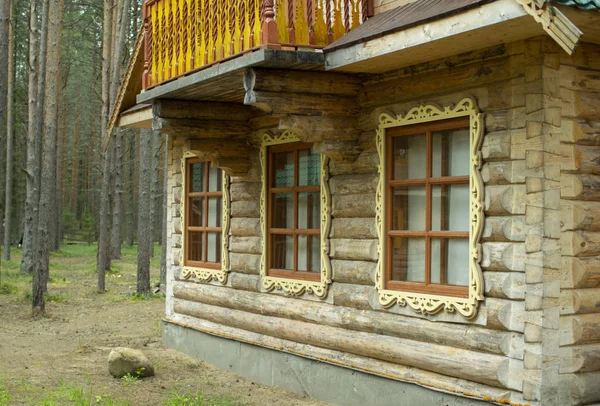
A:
[4,396]
[77,396]
[198,399]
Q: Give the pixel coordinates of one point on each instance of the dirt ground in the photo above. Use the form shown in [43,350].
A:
[62,358]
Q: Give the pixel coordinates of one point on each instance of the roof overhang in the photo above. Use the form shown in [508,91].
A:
[478,27]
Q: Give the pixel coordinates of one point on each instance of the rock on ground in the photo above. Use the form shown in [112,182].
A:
[123,361]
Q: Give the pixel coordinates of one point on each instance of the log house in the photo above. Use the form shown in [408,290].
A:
[381,201]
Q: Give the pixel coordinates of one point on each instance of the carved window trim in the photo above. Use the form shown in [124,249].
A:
[423,302]
[202,274]
[296,287]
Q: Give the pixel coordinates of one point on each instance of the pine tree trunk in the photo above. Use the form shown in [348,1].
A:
[75,172]
[10,136]
[155,190]
[37,86]
[116,232]
[4,41]
[104,212]
[144,215]
[163,256]
[130,196]
[47,193]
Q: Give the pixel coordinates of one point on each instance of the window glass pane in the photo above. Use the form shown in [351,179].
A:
[195,246]
[309,168]
[450,208]
[283,169]
[215,179]
[214,247]
[196,212]
[214,212]
[283,210]
[282,252]
[309,258]
[409,156]
[197,177]
[309,210]
[450,261]
[408,208]
[450,150]
[408,259]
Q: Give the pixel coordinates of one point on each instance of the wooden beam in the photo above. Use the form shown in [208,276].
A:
[231,155]
[189,109]
[200,128]
[294,81]
[136,119]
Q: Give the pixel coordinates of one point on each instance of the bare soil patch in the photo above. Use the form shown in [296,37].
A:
[62,358]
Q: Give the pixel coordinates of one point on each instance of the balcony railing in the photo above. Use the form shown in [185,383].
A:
[182,36]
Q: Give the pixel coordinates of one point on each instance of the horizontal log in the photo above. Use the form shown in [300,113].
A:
[366,364]
[242,226]
[353,205]
[242,281]
[505,314]
[166,108]
[338,149]
[580,158]
[496,146]
[245,245]
[200,128]
[579,272]
[450,334]
[366,162]
[360,250]
[245,191]
[580,132]
[507,228]
[301,81]
[353,228]
[502,256]
[579,329]
[353,184]
[301,103]
[578,215]
[504,200]
[507,285]
[579,301]
[579,78]
[579,389]
[580,104]
[580,187]
[581,358]
[489,369]
[317,128]
[245,208]
[506,172]
[353,296]
[356,272]
[580,243]
[244,263]
[499,120]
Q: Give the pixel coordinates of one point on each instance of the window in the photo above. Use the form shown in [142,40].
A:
[295,216]
[205,216]
[429,209]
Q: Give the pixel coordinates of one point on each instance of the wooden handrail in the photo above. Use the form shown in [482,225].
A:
[182,36]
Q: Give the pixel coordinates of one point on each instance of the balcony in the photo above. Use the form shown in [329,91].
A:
[184,36]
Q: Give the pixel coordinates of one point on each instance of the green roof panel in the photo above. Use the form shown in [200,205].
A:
[584,4]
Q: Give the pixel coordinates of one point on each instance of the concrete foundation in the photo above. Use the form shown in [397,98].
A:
[318,380]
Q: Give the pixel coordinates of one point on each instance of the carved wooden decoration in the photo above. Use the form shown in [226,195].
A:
[205,275]
[431,303]
[296,286]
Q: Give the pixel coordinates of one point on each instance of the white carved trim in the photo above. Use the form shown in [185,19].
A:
[296,286]
[421,302]
[205,275]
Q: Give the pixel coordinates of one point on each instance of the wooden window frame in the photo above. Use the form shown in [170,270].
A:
[425,297]
[203,271]
[293,282]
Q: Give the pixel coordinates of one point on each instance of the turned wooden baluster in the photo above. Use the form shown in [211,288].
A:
[367,9]
[252,22]
[311,21]
[193,38]
[215,28]
[185,24]
[242,14]
[206,28]
[176,37]
[328,21]
[269,25]
[147,48]
[290,19]
[347,15]
[223,23]
[232,18]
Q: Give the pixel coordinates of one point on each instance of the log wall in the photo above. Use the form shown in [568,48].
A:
[538,326]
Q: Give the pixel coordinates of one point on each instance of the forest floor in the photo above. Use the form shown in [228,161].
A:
[61,359]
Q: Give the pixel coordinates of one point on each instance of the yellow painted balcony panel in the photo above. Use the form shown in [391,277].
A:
[183,36]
